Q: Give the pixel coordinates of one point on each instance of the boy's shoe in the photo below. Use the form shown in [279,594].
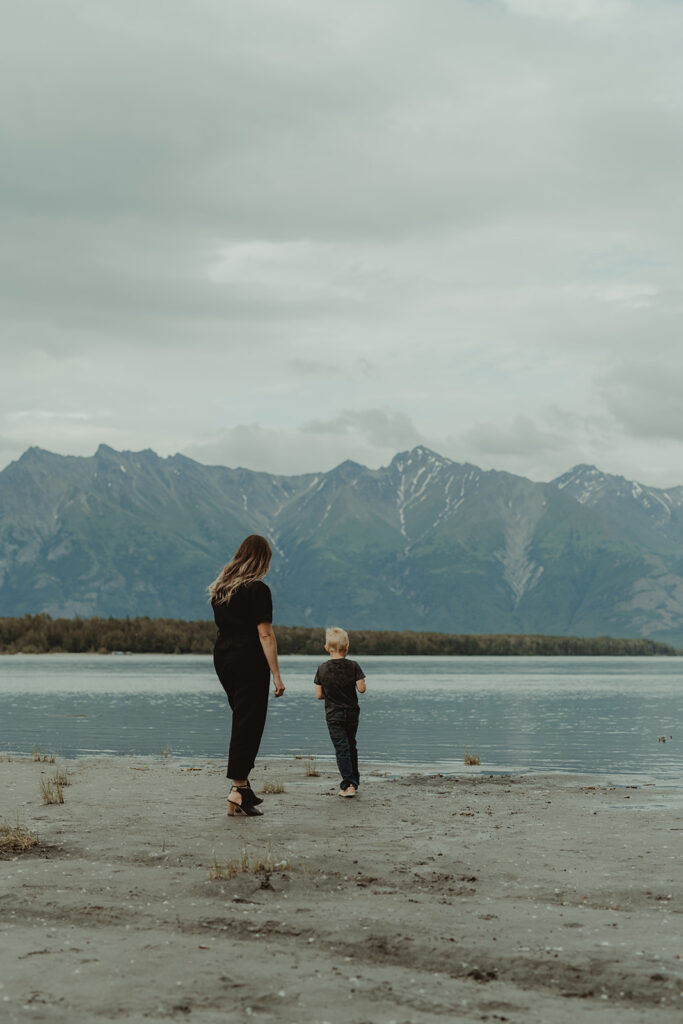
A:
[349,791]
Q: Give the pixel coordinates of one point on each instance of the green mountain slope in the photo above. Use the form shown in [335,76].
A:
[424,543]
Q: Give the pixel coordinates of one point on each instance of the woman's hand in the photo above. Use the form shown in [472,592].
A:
[269,644]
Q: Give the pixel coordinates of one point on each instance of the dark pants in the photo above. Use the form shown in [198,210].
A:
[342,726]
[246,688]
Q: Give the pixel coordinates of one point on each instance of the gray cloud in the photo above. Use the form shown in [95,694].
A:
[273,214]
[522,437]
[392,430]
[645,398]
[369,436]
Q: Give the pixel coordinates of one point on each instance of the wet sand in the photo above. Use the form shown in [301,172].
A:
[479,898]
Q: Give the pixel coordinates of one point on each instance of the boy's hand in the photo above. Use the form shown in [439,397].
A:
[279,687]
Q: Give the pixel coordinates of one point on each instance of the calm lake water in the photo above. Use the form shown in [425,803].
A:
[535,714]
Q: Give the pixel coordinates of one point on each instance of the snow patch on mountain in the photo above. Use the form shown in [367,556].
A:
[589,486]
[520,572]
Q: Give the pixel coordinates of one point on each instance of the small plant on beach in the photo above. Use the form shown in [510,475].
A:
[16,838]
[246,865]
[43,755]
[273,786]
[165,753]
[310,766]
[61,777]
[472,758]
[51,791]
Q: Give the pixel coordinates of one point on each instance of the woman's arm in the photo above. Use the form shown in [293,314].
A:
[269,644]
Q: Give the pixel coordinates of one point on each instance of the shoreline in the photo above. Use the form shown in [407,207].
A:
[521,897]
[376,767]
[500,656]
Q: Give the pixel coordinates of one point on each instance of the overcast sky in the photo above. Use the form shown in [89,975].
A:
[282,233]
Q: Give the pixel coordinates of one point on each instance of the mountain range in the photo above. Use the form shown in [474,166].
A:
[424,543]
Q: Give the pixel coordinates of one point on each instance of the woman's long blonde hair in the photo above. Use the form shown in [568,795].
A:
[249,563]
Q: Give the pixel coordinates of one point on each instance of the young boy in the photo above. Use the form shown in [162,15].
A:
[336,681]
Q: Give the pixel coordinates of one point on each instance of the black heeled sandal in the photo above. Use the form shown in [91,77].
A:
[246,806]
[254,799]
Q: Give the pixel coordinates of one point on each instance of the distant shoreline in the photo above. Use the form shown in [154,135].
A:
[41,634]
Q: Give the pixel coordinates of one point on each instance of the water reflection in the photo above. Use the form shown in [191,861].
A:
[575,714]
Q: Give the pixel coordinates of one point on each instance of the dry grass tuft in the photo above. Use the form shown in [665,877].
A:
[310,767]
[43,755]
[16,839]
[273,787]
[165,753]
[472,758]
[61,777]
[51,791]
[246,865]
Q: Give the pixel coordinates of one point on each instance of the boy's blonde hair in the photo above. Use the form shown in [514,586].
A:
[336,639]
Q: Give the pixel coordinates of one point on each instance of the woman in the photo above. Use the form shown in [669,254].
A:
[244,657]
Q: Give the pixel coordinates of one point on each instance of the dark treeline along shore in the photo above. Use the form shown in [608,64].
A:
[41,634]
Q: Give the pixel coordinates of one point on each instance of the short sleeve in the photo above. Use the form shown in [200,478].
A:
[262,603]
[360,674]
[317,681]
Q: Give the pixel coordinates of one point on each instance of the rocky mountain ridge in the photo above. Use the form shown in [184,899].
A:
[423,543]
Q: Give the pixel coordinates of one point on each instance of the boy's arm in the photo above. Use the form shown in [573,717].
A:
[360,685]
[319,691]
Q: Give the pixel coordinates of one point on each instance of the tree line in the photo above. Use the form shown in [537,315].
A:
[41,634]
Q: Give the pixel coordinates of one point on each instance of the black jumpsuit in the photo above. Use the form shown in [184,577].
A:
[243,671]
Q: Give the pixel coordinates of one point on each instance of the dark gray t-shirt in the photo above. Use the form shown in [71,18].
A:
[338,678]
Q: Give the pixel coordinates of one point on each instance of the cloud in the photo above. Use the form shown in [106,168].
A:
[521,437]
[368,436]
[448,222]
[332,369]
[49,415]
[570,10]
[391,430]
[645,398]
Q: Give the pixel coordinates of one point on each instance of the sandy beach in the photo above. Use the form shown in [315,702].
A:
[427,898]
